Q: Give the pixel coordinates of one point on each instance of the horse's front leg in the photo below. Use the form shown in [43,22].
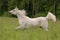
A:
[18,27]
[22,27]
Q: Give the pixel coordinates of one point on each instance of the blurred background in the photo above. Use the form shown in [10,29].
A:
[34,8]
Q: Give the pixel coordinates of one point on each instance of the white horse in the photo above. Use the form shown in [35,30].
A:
[26,22]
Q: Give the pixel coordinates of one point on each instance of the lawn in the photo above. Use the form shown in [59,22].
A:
[8,31]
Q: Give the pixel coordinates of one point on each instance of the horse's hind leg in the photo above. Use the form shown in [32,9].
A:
[45,28]
[44,25]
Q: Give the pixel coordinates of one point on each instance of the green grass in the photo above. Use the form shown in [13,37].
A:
[8,32]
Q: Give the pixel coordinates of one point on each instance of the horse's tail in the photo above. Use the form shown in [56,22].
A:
[51,16]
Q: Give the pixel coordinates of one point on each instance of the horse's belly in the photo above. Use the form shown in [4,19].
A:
[32,24]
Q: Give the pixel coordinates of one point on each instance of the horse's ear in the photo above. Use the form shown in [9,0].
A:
[16,7]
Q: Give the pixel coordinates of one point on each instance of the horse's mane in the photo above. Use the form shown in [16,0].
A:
[24,12]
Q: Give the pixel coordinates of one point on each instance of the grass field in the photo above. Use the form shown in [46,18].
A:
[8,32]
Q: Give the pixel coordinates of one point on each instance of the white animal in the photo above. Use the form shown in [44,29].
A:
[26,22]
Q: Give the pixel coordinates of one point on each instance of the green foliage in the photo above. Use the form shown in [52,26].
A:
[40,14]
[32,7]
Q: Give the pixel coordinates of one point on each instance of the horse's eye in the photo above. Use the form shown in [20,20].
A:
[13,10]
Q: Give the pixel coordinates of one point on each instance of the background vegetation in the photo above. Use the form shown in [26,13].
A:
[33,7]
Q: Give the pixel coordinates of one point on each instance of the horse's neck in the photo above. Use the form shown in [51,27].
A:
[22,17]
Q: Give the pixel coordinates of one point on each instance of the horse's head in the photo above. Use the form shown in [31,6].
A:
[14,11]
[17,11]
